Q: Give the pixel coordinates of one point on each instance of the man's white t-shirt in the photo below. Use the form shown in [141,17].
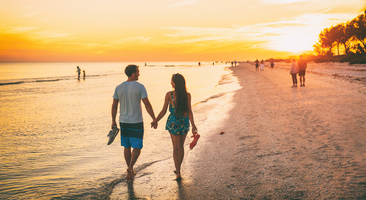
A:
[129,95]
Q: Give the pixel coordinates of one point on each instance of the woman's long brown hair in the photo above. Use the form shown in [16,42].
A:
[181,91]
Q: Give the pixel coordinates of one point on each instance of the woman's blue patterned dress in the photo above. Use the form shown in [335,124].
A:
[176,124]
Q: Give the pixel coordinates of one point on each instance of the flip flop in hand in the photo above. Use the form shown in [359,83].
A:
[195,137]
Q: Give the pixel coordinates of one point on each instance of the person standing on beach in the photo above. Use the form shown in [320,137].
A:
[302,67]
[272,63]
[177,123]
[78,70]
[293,71]
[256,65]
[129,94]
[262,65]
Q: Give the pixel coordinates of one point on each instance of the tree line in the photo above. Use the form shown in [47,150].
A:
[347,41]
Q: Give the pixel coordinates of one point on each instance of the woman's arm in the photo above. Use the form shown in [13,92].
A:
[190,114]
[165,108]
[292,68]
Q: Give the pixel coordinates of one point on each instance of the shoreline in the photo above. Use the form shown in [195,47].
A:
[156,180]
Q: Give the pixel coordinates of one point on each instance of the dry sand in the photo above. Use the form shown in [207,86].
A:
[279,143]
[285,143]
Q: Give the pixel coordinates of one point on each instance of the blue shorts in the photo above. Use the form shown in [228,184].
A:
[132,135]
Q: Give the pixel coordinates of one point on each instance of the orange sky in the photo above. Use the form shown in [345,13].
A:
[161,30]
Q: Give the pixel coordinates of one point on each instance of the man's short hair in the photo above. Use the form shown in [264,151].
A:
[130,69]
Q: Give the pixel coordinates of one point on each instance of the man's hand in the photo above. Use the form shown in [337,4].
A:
[154,124]
[113,124]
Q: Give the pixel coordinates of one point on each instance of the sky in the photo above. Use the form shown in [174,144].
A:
[165,30]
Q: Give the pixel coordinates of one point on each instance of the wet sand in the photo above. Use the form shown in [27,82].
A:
[279,143]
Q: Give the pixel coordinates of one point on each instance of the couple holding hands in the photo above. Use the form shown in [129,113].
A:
[129,95]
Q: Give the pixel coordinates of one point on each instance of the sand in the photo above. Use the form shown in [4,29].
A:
[279,143]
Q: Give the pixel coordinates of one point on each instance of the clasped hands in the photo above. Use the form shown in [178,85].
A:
[154,124]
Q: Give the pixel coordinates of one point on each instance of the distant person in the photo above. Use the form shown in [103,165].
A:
[83,74]
[179,101]
[293,71]
[272,63]
[262,65]
[302,68]
[199,63]
[129,94]
[78,70]
[256,65]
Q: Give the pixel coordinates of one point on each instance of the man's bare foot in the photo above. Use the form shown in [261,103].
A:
[130,174]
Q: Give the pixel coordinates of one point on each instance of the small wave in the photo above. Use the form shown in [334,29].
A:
[12,83]
[46,79]
[30,81]
[212,97]
[52,80]
[106,188]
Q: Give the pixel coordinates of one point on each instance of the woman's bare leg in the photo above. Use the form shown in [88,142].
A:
[178,151]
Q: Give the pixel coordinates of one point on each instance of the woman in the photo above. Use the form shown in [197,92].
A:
[262,65]
[177,123]
[293,71]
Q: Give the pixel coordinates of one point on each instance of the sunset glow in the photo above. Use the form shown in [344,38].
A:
[176,30]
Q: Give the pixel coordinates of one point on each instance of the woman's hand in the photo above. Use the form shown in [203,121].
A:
[194,129]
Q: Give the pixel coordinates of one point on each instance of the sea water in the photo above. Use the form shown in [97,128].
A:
[54,126]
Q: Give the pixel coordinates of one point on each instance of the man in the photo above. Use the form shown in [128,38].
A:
[256,65]
[302,67]
[272,63]
[129,94]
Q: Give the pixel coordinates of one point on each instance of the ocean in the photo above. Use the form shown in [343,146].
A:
[54,126]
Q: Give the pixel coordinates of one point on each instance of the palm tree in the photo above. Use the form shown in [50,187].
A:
[357,29]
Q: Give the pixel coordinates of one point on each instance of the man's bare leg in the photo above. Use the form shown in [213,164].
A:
[127,153]
[135,155]
[301,80]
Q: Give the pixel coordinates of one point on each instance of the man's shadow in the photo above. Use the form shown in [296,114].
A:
[182,194]
[130,190]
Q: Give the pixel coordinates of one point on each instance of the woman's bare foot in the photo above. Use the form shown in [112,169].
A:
[178,175]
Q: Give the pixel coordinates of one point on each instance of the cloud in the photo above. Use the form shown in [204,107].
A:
[199,34]
[298,34]
[183,3]
[16,30]
[133,39]
[50,34]
[283,1]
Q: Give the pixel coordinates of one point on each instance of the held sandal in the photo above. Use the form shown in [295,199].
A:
[195,137]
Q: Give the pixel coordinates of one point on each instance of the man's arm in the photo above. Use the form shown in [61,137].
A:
[114,112]
[149,108]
